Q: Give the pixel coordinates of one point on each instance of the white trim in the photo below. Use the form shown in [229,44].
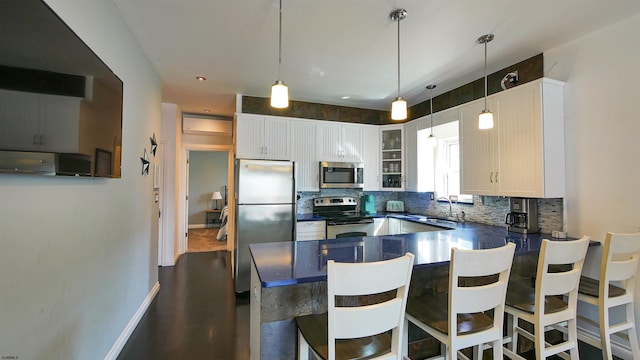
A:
[128,330]
[197,226]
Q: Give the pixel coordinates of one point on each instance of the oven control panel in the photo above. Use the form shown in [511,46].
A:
[335,200]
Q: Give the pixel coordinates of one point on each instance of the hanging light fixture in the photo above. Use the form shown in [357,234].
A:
[431,140]
[399,105]
[279,90]
[485,120]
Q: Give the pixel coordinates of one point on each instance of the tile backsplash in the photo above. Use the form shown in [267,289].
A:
[490,210]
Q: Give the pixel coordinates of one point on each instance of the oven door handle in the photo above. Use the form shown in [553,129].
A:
[350,222]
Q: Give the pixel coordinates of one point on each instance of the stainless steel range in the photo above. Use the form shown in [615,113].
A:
[343,217]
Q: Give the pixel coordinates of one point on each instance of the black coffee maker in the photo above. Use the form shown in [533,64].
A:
[522,216]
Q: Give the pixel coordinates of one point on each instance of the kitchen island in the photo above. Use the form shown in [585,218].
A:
[288,279]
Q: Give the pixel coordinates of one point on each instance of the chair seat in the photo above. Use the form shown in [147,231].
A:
[591,287]
[315,330]
[433,311]
[521,295]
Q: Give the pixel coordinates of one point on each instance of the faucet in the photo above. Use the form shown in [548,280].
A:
[450,210]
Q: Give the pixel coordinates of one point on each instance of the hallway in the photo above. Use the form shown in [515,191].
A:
[195,314]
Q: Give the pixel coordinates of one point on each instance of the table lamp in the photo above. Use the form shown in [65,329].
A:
[216,196]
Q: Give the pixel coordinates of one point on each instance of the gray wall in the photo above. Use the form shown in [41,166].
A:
[77,256]
[207,173]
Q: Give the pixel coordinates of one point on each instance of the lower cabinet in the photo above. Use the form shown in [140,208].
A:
[311,230]
[408,227]
[381,226]
[394,226]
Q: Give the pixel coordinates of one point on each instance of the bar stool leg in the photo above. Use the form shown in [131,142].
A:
[512,324]
[573,337]
[633,336]
[303,347]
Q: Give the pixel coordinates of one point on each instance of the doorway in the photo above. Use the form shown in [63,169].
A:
[207,195]
[182,213]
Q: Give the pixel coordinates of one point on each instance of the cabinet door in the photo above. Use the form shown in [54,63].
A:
[328,142]
[519,143]
[21,133]
[391,140]
[351,143]
[303,152]
[395,226]
[59,123]
[380,226]
[249,135]
[411,155]
[371,156]
[276,134]
[477,174]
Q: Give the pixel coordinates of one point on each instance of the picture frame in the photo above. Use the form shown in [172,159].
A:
[103,167]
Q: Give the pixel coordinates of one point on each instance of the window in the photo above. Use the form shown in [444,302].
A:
[439,162]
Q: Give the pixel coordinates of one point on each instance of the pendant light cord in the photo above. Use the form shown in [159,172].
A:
[399,19]
[280,41]
[485,75]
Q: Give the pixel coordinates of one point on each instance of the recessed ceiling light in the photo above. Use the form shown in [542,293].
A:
[346,97]
[201,78]
[207,110]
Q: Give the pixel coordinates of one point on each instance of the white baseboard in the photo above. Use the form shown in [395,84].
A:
[128,330]
[197,226]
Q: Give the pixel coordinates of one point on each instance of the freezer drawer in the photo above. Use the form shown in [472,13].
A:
[259,224]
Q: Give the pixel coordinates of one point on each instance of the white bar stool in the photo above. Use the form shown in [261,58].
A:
[370,331]
[616,288]
[551,304]
[460,320]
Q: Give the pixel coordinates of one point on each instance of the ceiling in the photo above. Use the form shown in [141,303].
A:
[344,52]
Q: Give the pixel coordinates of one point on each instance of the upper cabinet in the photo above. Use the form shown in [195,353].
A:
[411,155]
[40,122]
[392,156]
[303,152]
[339,142]
[262,137]
[523,155]
[371,157]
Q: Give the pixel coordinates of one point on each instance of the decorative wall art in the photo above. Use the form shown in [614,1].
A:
[154,144]
[145,162]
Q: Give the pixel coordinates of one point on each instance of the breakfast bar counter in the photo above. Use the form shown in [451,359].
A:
[288,279]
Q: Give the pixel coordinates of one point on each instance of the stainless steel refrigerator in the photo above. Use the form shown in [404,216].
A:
[265,209]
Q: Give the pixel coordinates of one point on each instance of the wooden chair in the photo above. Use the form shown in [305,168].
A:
[359,331]
[616,287]
[551,304]
[462,319]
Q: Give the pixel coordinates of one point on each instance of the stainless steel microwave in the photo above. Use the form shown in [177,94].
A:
[341,175]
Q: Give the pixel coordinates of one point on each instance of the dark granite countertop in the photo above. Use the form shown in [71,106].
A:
[296,262]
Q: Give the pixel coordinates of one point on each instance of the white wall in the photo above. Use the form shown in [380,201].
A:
[601,131]
[170,137]
[76,255]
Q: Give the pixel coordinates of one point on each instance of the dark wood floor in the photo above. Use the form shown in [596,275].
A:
[195,315]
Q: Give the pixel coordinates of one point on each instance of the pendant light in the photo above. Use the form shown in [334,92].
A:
[485,120]
[279,90]
[399,105]
[431,87]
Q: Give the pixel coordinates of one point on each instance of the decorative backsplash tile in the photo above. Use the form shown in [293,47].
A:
[490,210]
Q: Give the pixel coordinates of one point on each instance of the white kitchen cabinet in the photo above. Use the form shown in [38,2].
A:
[411,155]
[303,152]
[262,137]
[380,226]
[395,225]
[41,122]
[339,142]
[409,227]
[371,157]
[523,155]
[392,156]
[311,230]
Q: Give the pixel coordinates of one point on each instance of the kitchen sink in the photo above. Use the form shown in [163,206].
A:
[433,220]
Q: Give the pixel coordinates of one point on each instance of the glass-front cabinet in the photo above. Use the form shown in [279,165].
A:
[392,157]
